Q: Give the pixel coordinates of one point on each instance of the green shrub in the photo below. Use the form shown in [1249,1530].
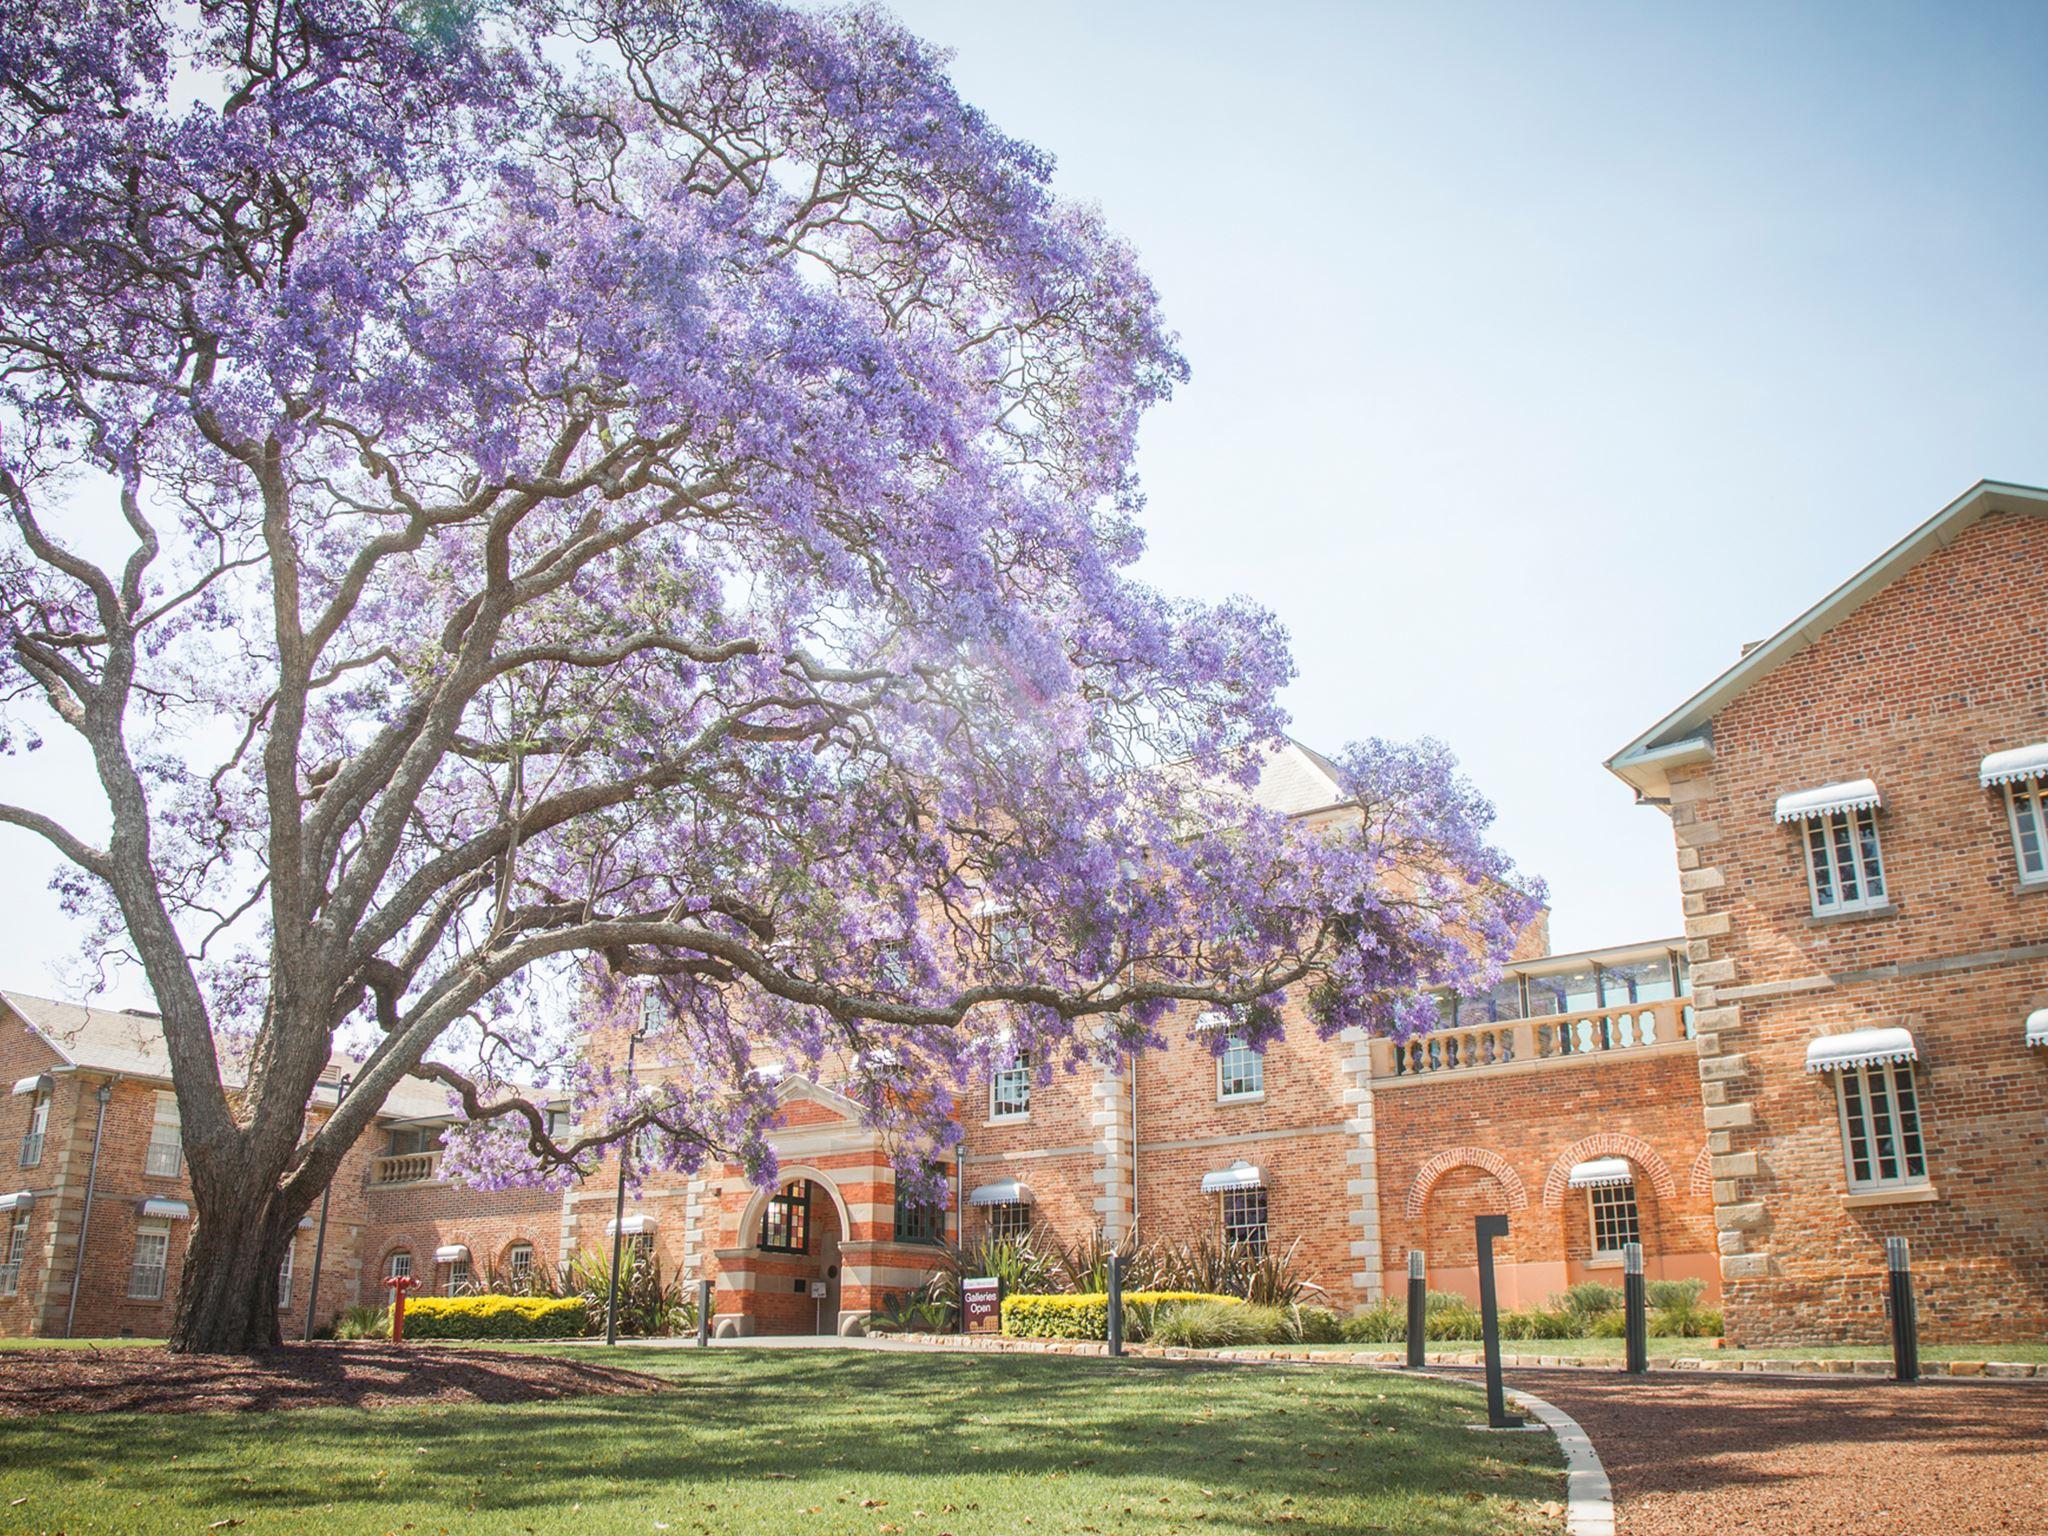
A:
[1378,1322]
[1542,1323]
[1440,1301]
[1087,1317]
[1446,1323]
[1609,1325]
[1662,1294]
[1588,1299]
[363,1323]
[1217,1323]
[1685,1323]
[496,1317]
[1317,1325]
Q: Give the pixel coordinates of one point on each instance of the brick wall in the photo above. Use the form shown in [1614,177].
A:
[1942,667]
[1502,1141]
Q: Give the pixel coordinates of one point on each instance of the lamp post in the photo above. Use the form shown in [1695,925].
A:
[611,1306]
[320,1238]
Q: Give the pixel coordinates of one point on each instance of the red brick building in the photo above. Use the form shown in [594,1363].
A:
[91,1113]
[1567,1099]
[1860,808]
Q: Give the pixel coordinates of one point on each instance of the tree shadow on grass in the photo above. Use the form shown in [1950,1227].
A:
[802,1423]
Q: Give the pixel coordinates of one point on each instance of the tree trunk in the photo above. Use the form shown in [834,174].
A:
[227,1297]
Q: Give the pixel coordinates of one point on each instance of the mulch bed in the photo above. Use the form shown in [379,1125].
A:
[365,1375]
[1708,1455]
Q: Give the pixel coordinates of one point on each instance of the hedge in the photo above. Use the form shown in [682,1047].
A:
[496,1317]
[1087,1317]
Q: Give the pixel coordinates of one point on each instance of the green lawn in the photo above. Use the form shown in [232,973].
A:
[819,1443]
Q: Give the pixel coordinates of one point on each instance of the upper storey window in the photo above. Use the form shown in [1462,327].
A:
[2022,773]
[1844,864]
[1009,1089]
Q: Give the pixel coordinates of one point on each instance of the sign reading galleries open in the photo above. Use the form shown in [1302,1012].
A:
[981,1305]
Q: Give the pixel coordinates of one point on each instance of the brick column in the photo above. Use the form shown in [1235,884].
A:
[1742,1231]
[1362,1189]
[1114,1148]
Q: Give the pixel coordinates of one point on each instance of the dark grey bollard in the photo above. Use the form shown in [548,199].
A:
[703,1313]
[1905,1314]
[1635,1309]
[1486,1229]
[1418,1307]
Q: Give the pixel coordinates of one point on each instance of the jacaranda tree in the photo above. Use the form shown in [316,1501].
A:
[534,505]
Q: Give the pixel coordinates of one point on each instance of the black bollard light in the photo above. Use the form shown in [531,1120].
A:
[703,1314]
[1635,1309]
[1486,1229]
[1116,1304]
[1905,1315]
[1418,1307]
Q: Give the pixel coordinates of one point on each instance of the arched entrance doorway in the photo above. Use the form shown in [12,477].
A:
[793,1264]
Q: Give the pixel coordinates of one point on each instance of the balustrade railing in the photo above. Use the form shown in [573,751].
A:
[405,1168]
[1585,1032]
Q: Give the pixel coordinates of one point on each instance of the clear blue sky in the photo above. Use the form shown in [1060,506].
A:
[1544,354]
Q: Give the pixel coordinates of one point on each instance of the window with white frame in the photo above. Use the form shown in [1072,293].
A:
[1240,1071]
[1244,1218]
[1844,866]
[1880,1111]
[16,1251]
[653,1010]
[1611,1213]
[165,1157]
[152,1257]
[458,1276]
[284,1278]
[1009,1089]
[38,1124]
[2026,805]
[398,1266]
[519,1264]
[1009,1222]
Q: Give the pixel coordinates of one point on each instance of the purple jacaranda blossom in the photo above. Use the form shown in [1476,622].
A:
[560,519]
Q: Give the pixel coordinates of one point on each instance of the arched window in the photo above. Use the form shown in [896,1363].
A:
[398,1266]
[786,1224]
[519,1266]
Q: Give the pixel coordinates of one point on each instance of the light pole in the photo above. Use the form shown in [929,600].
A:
[92,1177]
[611,1306]
[320,1238]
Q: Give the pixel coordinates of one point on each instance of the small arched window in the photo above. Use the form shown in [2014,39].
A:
[399,1265]
[519,1266]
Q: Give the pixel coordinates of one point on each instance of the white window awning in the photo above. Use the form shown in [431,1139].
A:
[1002,1192]
[305,1223]
[2037,1027]
[451,1253]
[164,1210]
[1860,1048]
[1601,1173]
[633,1226]
[1855,795]
[21,1199]
[34,1084]
[1239,1175]
[2014,764]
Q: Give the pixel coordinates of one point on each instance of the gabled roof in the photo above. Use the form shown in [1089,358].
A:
[131,1043]
[1685,735]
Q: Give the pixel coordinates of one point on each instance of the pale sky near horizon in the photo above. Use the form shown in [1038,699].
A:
[1543,354]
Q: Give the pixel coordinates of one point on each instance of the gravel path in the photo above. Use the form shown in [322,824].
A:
[1704,1456]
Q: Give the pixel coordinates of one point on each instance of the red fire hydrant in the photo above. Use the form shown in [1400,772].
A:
[399,1285]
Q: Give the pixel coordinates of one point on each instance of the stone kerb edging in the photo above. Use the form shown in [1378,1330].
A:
[2002,1370]
[1588,1495]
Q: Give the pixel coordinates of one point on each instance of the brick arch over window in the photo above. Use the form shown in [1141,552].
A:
[1701,1184]
[1429,1173]
[1609,1144]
